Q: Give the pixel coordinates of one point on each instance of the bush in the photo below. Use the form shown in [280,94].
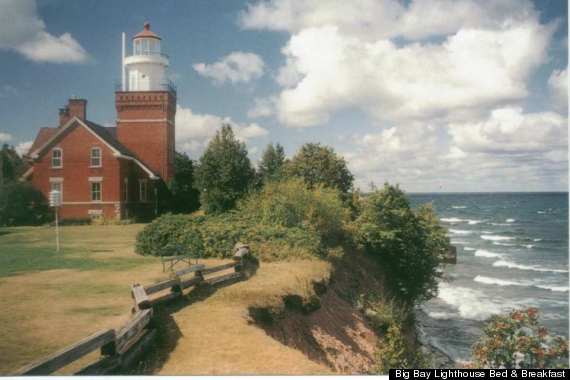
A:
[169,235]
[21,204]
[216,235]
[291,204]
[407,244]
[516,340]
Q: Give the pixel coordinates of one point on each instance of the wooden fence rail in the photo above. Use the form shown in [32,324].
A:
[121,348]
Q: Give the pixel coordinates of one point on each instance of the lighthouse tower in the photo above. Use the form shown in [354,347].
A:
[146,104]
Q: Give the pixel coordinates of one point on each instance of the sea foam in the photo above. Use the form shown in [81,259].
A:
[484,253]
[511,265]
[496,237]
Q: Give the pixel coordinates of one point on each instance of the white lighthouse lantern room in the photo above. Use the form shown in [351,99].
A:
[145,69]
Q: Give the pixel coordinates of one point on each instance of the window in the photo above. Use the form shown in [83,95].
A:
[96,191]
[126,190]
[56,158]
[143,190]
[95,157]
[57,186]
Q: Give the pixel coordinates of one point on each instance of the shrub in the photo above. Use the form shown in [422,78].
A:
[170,235]
[408,245]
[21,204]
[516,340]
[291,204]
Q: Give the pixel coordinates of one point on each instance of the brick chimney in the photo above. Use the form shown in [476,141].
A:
[74,107]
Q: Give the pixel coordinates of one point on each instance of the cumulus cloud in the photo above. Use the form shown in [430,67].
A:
[22,30]
[23,147]
[5,137]
[347,55]
[558,85]
[235,67]
[194,130]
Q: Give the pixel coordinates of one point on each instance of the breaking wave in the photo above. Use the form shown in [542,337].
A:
[460,232]
[535,268]
[496,237]
[459,207]
[484,253]
[470,303]
[499,282]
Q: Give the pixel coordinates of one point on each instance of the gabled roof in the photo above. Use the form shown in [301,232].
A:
[107,135]
[44,134]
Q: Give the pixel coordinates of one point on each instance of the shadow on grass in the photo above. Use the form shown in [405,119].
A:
[168,332]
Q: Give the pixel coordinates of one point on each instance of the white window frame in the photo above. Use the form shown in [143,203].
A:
[53,158]
[95,149]
[56,184]
[143,195]
[91,192]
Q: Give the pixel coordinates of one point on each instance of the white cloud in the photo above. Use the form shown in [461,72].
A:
[5,137]
[371,20]
[194,131]
[262,107]
[8,90]
[22,30]
[23,147]
[510,131]
[235,67]
[558,85]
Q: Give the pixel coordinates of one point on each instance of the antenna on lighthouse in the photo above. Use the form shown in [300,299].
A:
[123,67]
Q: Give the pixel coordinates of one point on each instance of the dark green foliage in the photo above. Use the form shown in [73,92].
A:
[224,174]
[407,244]
[216,235]
[21,204]
[272,161]
[185,197]
[318,164]
[11,165]
[169,235]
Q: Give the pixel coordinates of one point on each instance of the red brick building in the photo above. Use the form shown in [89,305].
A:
[113,172]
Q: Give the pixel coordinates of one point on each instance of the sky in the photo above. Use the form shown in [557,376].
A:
[435,95]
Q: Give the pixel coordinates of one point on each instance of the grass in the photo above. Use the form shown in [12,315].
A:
[49,300]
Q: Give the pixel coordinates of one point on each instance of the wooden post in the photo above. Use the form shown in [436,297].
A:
[140,297]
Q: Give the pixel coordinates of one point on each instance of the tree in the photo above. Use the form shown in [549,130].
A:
[11,164]
[516,340]
[185,197]
[408,245]
[318,164]
[21,204]
[272,161]
[224,174]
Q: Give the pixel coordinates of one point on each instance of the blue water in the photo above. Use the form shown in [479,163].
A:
[512,252]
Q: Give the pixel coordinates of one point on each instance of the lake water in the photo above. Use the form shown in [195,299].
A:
[512,252]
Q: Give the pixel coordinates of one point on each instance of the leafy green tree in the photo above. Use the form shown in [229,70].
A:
[318,164]
[21,204]
[224,174]
[11,164]
[185,197]
[516,340]
[407,244]
[272,161]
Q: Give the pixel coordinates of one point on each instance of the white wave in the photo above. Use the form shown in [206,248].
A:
[441,315]
[475,221]
[458,242]
[460,232]
[553,288]
[452,220]
[510,220]
[511,265]
[497,281]
[503,244]
[496,237]
[529,246]
[469,249]
[484,253]
[458,207]
[536,239]
[500,224]
[470,303]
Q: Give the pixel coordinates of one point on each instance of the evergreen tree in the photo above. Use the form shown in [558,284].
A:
[11,164]
[272,161]
[185,197]
[224,174]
